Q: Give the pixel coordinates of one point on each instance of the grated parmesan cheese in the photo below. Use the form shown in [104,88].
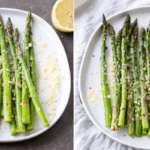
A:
[52,75]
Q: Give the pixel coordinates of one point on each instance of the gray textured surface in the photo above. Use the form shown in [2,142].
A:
[60,136]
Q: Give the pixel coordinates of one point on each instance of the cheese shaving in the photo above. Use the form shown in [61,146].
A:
[92,96]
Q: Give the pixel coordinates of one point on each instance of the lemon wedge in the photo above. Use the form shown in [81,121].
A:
[62,15]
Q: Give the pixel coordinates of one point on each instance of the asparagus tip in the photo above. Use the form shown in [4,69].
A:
[104,19]
[9,19]
[135,22]
[127,20]
[9,24]
[29,17]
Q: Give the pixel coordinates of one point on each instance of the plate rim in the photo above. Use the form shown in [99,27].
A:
[80,74]
[69,79]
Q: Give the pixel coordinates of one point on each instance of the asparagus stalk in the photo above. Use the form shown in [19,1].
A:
[6,77]
[34,80]
[119,40]
[145,123]
[29,82]
[148,57]
[25,91]
[12,124]
[124,47]
[104,82]
[148,65]
[16,66]
[136,88]
[116,89]
[1,93]
[130,97]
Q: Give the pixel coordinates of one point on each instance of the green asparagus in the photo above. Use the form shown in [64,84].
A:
[145,123]
[1,92]
[116,89]
[20,125]
[136,88]
[124,46]
[148,67]
[29,81]
[104,82]
[6,77]
[12,124]
[34,80]
[25,91]
[130,79]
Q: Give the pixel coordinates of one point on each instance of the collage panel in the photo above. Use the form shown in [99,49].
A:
[111,75]
[36,74]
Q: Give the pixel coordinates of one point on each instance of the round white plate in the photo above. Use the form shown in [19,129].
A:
[89,78]
[46,44]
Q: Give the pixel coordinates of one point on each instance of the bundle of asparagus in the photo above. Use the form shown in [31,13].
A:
[131,85]
[18,90]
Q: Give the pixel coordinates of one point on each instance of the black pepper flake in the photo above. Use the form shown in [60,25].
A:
[92,55]
[90,88]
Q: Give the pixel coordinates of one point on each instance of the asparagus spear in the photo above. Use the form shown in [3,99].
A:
[104,82]
[119,40]
[148,67]
[29,82]
[12,124]
[6,77]
[148,57]
[148,64]
[145,123]
[1,93]
[136,89]
[16,66]
[25,91]
[124,47]
[34,80]
[130,97]
[116,96]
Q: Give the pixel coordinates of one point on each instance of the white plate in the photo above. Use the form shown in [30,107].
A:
[90,77]
[52,46]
